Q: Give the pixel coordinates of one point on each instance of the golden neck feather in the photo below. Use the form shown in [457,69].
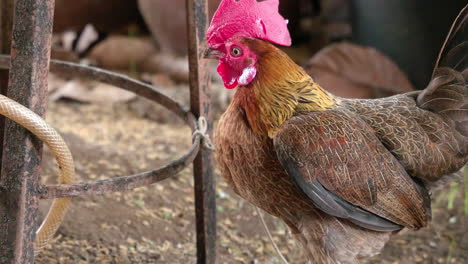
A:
[280,90]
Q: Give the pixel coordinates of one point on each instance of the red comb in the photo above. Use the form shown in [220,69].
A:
[248,18]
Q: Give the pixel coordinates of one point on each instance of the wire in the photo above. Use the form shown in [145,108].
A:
[270,237]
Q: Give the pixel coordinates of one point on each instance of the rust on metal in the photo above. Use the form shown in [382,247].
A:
[124,82]
[19,188]
[141,89]
[30,50]
[125,183]
[205,205]
[6,25]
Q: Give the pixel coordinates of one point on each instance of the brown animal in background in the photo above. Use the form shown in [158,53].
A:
[343,174]
[352,71]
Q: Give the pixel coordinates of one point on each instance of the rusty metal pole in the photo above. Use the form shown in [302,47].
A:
[30,51]
[205,205]
[6,25]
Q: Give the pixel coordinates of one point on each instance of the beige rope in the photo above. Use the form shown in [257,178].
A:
[36,125]
[202,131]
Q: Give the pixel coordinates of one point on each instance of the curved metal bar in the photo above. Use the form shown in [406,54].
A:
[124,183]
[69,69]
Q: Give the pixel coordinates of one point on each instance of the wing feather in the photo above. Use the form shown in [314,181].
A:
[337,161]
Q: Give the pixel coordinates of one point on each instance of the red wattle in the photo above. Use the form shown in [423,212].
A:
[229,79]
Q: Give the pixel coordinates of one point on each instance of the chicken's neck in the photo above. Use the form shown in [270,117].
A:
[280,90]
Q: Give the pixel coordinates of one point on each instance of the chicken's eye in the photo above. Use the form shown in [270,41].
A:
[236,51]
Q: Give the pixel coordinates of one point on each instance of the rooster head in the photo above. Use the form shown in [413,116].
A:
[237,19]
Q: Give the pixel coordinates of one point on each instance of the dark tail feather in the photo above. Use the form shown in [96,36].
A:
[454,51]
[447,93]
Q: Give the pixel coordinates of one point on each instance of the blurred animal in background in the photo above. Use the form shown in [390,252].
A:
[92,18]
[343,174]
[353,71]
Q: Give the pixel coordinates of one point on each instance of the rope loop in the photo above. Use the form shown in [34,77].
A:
[202,131]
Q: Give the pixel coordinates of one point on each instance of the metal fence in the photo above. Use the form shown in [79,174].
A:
[26,31]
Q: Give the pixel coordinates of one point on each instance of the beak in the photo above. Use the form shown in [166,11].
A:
[212,54]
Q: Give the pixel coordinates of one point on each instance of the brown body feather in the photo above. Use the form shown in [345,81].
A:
[283,137]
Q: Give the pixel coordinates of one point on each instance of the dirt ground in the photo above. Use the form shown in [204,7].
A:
[155,224]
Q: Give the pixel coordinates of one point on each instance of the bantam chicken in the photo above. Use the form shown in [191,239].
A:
[343,174]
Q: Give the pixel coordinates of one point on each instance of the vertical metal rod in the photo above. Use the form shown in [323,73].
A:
[30,51]
[6,25]
[205,205]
